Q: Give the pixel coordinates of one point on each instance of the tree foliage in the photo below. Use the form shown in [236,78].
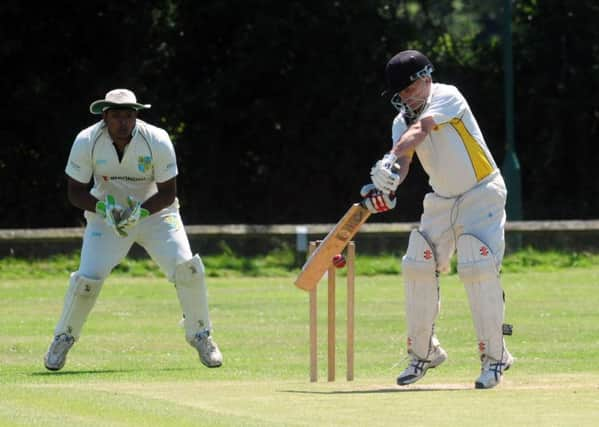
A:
[275,107]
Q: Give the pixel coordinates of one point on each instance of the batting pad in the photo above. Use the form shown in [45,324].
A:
[477,269]
[421,284]
[193,296]
[78,303]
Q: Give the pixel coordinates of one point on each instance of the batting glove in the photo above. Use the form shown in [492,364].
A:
[112,214]
[385,174]
[375,200]
[133,214]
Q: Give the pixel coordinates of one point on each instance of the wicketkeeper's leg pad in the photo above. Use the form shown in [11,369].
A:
[421,283]
[78,303]
[193,296]
[477,268]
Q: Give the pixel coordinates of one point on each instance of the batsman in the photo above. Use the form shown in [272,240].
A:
[133,199]
[465,212]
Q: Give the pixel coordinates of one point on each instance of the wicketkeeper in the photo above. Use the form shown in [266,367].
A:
[464,212]
[133,199]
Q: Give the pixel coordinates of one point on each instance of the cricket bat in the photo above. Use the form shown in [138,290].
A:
[331,245]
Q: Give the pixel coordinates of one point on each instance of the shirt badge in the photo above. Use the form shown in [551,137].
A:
[144,163]
[173,222]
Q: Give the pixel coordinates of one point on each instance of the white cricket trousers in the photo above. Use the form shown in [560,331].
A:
[162,235]
[480,212]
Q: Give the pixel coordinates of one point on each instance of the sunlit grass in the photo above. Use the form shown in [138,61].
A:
[283,262]
[133,367]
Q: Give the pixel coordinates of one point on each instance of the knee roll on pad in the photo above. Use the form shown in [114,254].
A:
[478,270]
[476,262]
[78,302]
[86,287]
[193,296]
[419,269]
[419,262]
[190,272]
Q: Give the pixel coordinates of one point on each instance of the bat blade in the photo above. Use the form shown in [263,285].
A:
[331,245]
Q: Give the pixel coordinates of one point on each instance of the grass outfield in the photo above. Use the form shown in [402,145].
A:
[132,366]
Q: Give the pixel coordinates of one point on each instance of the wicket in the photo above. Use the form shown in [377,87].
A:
[351,277]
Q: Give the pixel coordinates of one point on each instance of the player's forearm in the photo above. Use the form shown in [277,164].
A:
[82,200]
[412,137]
[158,202]
[408,142]
[404,167]
[167,192]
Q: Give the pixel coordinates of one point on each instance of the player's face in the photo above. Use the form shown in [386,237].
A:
[416,94]
[120,123]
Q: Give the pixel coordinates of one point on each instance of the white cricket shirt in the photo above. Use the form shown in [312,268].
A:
[454,154]
[149,158]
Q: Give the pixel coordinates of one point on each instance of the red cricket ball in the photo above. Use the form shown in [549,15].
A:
[339,261]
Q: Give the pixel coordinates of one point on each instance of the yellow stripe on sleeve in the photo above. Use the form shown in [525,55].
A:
[481,164]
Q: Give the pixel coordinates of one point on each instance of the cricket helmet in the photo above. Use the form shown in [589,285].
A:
[405,68]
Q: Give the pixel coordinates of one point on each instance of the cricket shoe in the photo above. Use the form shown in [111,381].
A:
[209,353]
[491,371]
[56,356]
[418,367]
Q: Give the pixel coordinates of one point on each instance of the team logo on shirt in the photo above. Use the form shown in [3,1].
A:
[173,222]
[144,163]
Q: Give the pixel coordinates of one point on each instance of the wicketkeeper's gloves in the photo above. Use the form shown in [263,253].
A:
[112,214]
[133,214]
